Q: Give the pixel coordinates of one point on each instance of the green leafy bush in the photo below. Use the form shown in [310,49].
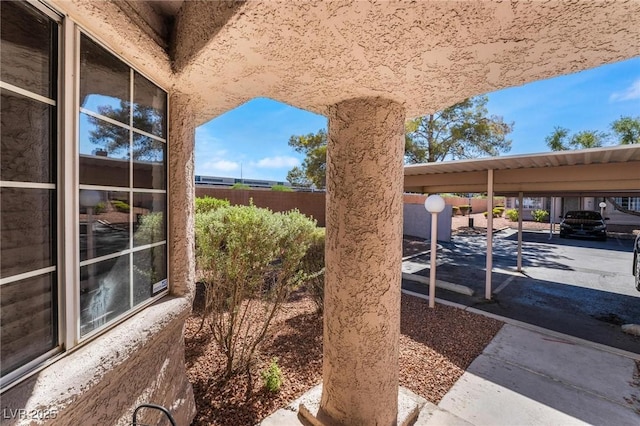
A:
[207,204]
[512,215]
[272,376]
[121,206]
[101,207]
[540,215]
[249,260]
[281,188]
[150,229]
[313,267]
[239,185]
[497,212]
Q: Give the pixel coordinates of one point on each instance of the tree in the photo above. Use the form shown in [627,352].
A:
[559,140]
[115,139]
[627,130]
[298,177]
[463,130]
[314,166]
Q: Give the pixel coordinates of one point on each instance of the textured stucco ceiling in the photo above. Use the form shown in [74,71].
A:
[425,54]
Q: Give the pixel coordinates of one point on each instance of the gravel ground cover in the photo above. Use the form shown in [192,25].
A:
[436,346]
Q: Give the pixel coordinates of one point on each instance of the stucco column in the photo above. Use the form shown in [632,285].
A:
[181,196]
[363,262]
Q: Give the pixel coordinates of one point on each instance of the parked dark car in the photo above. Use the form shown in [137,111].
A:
[583,223]
[636,261]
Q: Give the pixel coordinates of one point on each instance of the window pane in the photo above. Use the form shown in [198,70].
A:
[104,292]
[104,153]
[149,211]
[104,82]
[29,41]
[149,268]
[148,162]
[149,107]
[28,320]
[104,223]
[27,147]
[27,230]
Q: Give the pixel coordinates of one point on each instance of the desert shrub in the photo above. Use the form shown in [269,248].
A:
[540,215]
[121,206]
[464,209]
[313,266]
[272,376]
[512,215]
[281,188]
[150,229]
[497,212]
[207,204]
[239,185]
[101,207]
[248,259]
[455,211]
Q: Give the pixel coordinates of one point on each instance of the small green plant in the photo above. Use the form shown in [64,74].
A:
[272,376]
[540,215]
[121,206]
[281,188]
[239,185]
[101,207]
[207,204]
[512,215]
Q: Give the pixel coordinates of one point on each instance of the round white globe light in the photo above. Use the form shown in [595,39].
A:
[602,204]
[89,198]
[434,203]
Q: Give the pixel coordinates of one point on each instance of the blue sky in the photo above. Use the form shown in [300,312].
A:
[253,137]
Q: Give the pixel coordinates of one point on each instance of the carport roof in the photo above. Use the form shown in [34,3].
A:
[612,170]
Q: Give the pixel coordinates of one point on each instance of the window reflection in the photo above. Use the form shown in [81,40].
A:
[27,230]
[149,107]
[149,268]
[26,142]
[104,82]
[104,292]
[27,320]
[149,213]
[104,153]
[28,48]
[149,159]
[104,223]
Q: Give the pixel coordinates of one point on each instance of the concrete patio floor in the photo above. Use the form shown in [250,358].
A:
[526,377]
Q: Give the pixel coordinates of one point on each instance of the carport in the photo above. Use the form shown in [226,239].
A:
[612,171]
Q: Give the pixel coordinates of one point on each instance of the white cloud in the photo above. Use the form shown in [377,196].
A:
[277,162]
[628,94]
[218,167]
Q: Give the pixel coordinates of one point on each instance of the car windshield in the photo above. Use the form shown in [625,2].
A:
[584,215]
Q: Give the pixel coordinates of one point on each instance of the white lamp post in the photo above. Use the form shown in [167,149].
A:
[602,206]
[434,205]
[89,199]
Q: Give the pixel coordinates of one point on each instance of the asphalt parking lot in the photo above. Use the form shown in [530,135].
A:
[578,287]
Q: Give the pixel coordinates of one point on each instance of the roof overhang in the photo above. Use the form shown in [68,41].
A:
[613,170]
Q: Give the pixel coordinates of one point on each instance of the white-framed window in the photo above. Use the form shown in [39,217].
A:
[530,203]
[83,189]
[629,203]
